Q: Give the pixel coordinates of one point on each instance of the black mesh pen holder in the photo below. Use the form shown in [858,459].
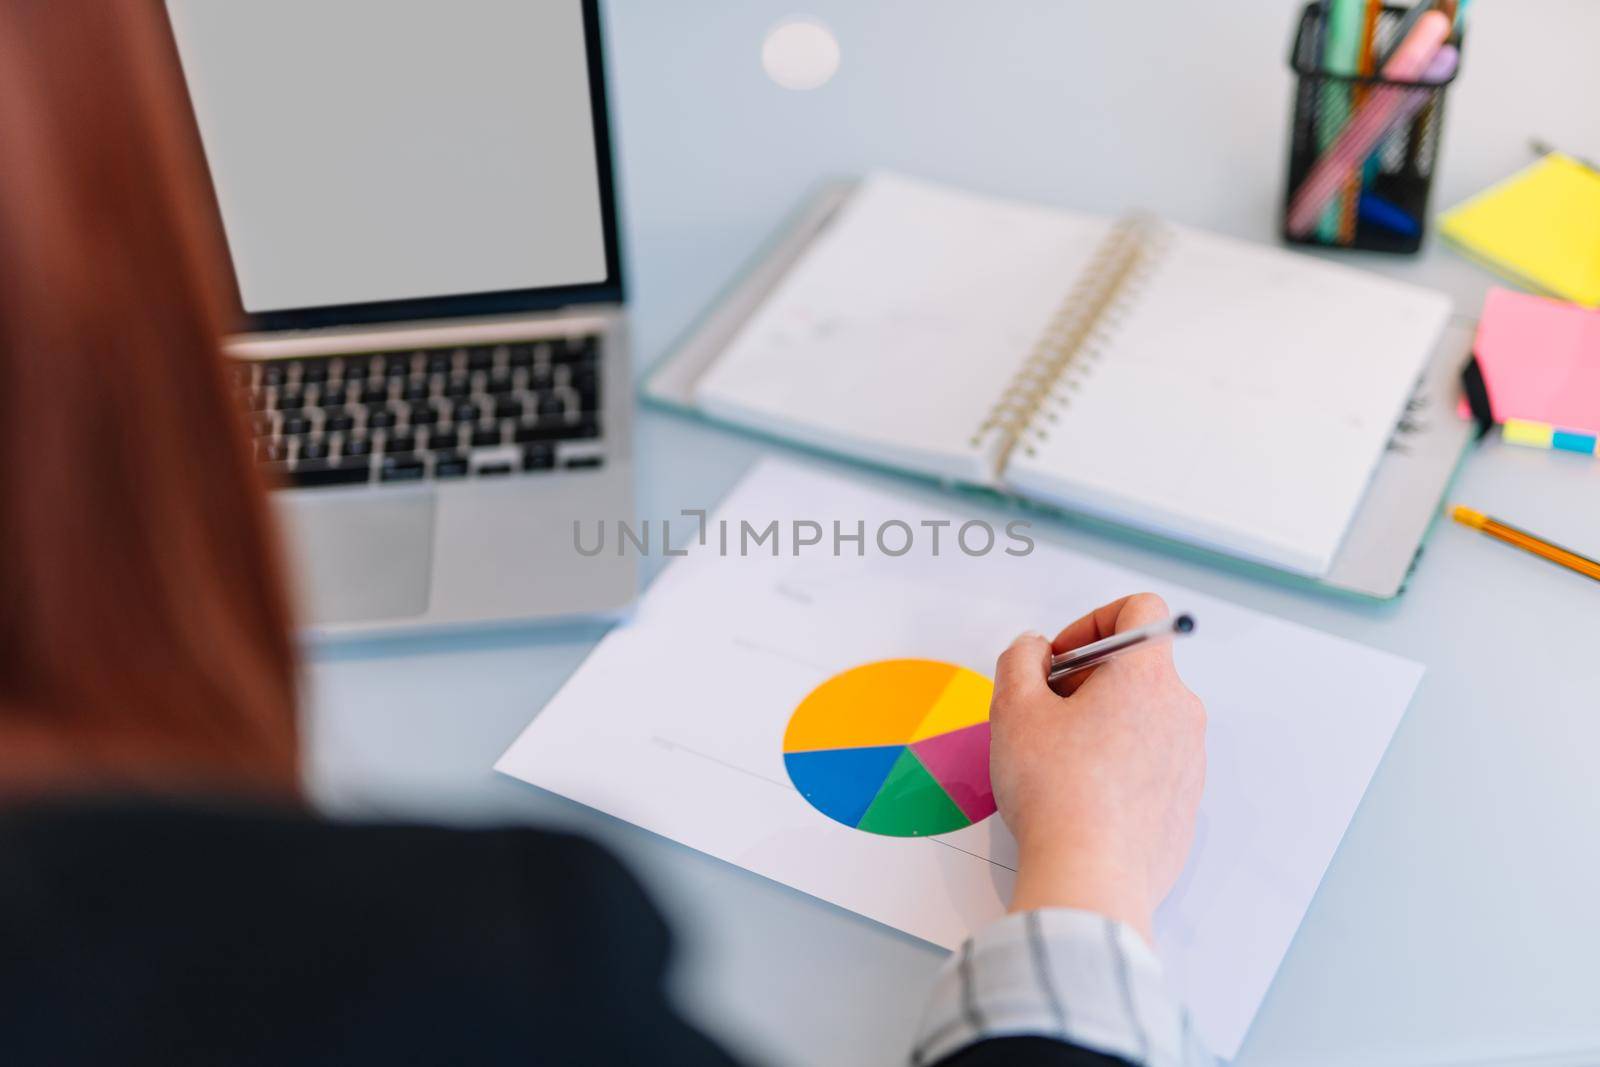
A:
[1385,207]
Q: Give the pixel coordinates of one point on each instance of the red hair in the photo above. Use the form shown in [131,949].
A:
[145,639]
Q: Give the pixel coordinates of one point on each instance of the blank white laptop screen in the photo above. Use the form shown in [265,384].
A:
[367,150]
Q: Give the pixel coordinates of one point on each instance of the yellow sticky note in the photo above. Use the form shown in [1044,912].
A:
[1532,434]
[1540,227]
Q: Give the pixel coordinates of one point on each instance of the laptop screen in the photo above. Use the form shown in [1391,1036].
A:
[367,152]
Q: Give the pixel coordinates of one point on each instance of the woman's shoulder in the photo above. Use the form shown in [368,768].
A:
[213,860]
[272,931]
[231,828]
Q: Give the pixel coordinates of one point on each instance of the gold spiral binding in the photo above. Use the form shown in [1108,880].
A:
[1071,340]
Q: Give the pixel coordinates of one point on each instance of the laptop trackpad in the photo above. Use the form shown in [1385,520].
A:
[360,558]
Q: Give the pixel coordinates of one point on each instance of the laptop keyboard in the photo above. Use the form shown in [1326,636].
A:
[473,411]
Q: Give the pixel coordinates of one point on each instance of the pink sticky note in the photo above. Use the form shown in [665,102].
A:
[1540,360]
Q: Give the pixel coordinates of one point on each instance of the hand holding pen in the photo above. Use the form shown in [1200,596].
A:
[1100,788]
[1064,664]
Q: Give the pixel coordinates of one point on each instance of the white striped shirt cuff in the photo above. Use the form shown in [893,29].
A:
[1071,975]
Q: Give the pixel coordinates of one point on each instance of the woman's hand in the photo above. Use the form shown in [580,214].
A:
[1101,787]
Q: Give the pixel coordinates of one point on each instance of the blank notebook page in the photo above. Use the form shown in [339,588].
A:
[900,328]
[1241,401]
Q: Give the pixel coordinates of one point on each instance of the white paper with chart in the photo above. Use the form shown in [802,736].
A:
[680,720]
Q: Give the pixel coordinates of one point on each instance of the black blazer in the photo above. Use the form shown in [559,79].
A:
[142,933]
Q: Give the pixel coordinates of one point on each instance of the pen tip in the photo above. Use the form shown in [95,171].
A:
[1468,517]
[1183,624]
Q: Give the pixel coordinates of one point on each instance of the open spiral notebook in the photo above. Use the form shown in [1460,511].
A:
[1226,395]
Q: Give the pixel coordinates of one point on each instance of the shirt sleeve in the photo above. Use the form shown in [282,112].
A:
[1074,976]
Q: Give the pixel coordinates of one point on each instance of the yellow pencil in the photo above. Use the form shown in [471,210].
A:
[1527,542]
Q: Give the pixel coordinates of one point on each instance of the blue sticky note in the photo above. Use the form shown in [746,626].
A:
[1567,441]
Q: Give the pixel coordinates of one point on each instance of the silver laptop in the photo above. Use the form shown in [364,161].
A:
[419,207]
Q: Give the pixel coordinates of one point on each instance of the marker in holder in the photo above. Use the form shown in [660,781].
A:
[1384,208]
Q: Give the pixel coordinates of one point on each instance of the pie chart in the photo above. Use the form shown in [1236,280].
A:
[899,747]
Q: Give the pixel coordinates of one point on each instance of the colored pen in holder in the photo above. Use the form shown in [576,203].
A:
[1364,145]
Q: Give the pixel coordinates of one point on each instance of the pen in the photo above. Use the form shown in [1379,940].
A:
[1527,542]
[1350,205]
[1341,58]
[1092,655]
[1380,212]
[1388,108]
[1403,30]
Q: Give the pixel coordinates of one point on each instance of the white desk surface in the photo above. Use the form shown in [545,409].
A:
[1457,922]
